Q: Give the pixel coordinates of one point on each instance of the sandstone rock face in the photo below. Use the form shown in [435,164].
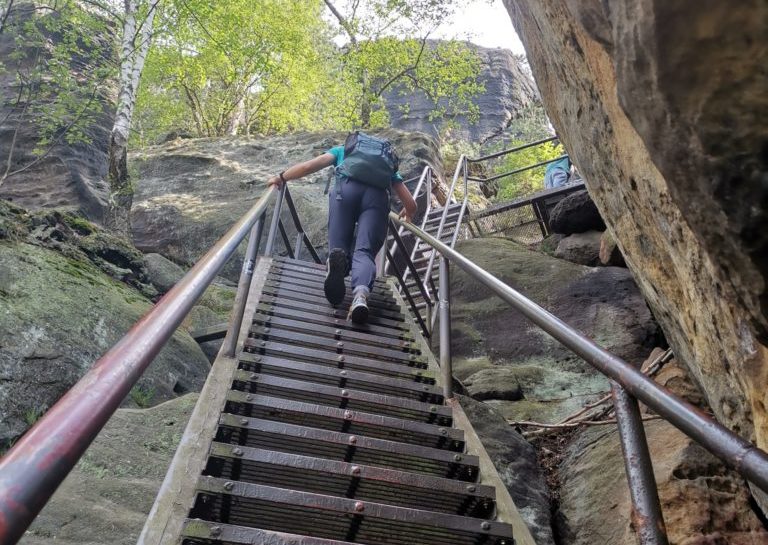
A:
[581,248]
[508,90]
[108,495]
[663,109]
[575,213]
[163,273]
[71,176]
[702,500]
[515,460]
[189,192]
[516,367]
[59,311]
[610,254]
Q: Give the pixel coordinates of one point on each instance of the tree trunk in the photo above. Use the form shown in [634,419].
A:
[5,12]
[134,49]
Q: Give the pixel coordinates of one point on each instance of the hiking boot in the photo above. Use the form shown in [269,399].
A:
[334,286]
[358,310]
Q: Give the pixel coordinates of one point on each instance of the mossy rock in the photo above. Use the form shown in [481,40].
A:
[58,315]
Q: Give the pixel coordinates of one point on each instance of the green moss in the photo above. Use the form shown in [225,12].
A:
[79,224]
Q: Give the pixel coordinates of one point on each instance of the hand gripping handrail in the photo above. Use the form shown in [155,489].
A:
[746,458]
[32,470]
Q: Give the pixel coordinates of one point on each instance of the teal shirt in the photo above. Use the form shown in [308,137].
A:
[563,164]
[338,155]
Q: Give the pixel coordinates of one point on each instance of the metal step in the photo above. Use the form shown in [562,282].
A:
[348,480]
[343,398]
[344,420]
[409,387]
[325,516]
[308,441]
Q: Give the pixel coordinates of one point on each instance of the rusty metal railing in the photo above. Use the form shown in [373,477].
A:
[31,471]
[628,386]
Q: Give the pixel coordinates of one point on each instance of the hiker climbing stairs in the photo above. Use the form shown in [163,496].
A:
[324,432]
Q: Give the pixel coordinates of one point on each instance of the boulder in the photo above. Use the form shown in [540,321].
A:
[610,254]
[107,496]
[163,273]
[59,312]
[702,500]
[189,192]
[581,248]
[513,365]
[515,460]
[509,90]
[662,107]
[575,213]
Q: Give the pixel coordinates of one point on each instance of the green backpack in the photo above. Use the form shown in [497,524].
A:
[369,160]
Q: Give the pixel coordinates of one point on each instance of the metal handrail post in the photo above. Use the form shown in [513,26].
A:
[647,517]
[273,228]
[37,464]
[446,362]
[243,287]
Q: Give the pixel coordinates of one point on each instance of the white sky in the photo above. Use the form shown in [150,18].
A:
[483,22]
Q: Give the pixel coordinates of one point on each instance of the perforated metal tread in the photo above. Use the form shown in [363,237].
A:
[333,434]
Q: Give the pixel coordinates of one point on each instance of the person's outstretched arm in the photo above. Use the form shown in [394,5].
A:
[409,205]
[300,170]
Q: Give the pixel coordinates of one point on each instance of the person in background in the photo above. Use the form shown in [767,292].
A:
[557,173]
[366,170]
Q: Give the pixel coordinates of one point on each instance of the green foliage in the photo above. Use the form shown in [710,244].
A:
[388,50]
[530,181]
[218,68]
[272,66]
[33,415]
[142,395]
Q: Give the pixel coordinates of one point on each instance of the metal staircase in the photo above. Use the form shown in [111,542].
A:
[323,432]
[442,222]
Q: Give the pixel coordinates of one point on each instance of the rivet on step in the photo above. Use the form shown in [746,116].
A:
[343,373]
[337,321]
[352,440]
[344,393]
[338,332]
[263,343]
[257,359]
[249,397]
[433,409]
[485,525]
[254,376]
[443,431]
[229,485]
[355,470]
[266,329]
[215,531]
[458,458]
[425,388]
[244,421]
[340,358]
[471,488]
[348,415]
[237,452]
[340,344]
[359,506]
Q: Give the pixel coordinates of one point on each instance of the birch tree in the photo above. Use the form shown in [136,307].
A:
[137,27]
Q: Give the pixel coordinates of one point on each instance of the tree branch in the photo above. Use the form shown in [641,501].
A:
[343,22]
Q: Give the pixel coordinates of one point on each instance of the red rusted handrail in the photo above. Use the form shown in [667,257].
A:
[32,470]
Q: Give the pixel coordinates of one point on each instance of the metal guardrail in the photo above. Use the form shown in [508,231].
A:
[36,465]
[628,386]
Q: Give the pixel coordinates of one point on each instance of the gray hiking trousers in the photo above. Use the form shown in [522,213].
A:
[351,203]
